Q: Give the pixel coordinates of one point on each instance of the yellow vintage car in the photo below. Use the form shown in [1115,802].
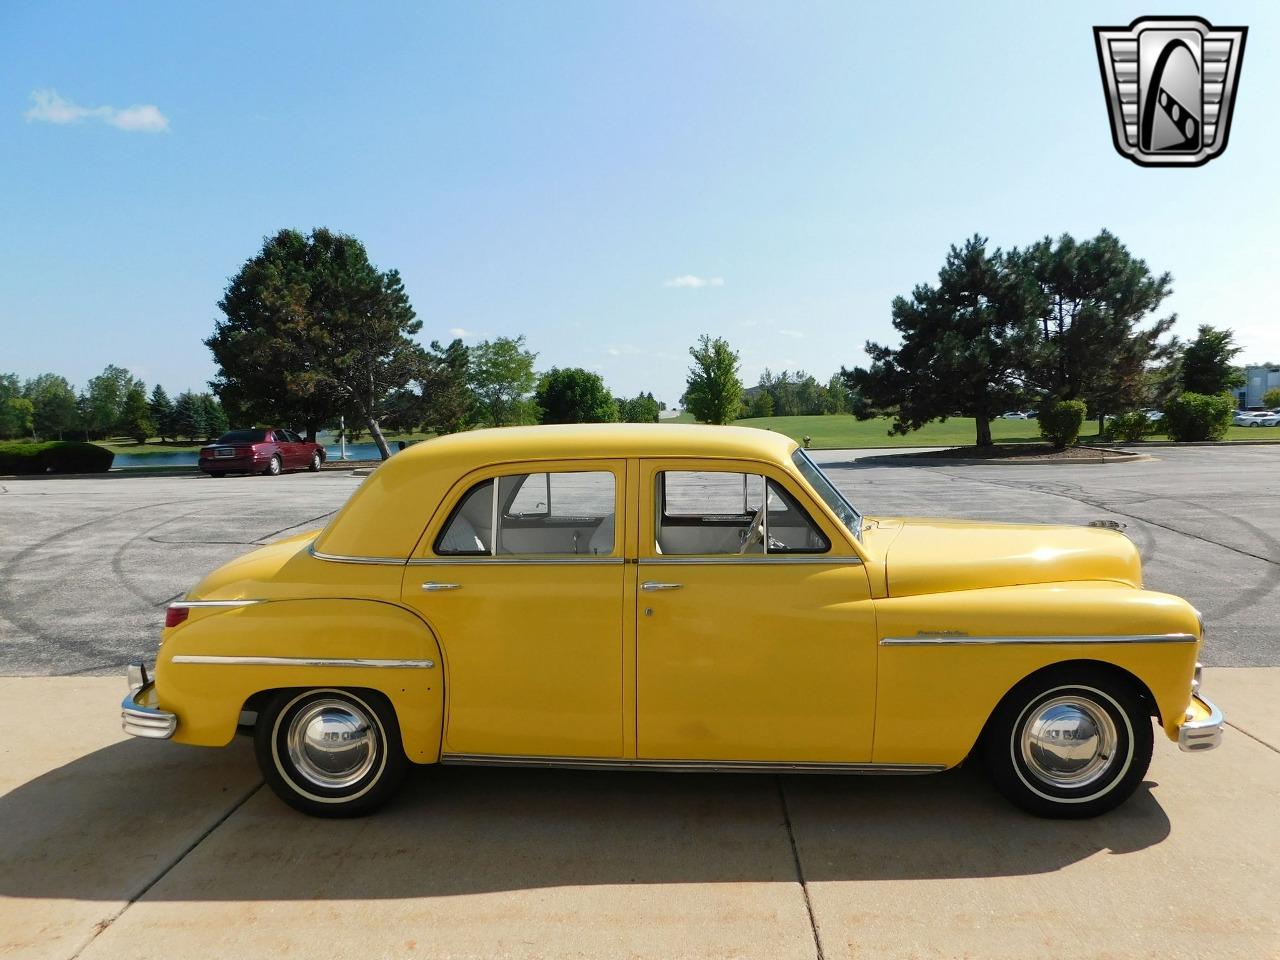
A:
[676,598]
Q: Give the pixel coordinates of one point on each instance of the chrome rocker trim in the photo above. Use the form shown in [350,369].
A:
[1197,735]
[758,560]
[303,661]
[139,721]
[685,766]
[940,641]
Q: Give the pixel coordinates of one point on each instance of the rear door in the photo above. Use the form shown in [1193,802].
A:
[521,578]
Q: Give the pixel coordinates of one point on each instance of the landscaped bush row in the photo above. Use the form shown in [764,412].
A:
[54,456]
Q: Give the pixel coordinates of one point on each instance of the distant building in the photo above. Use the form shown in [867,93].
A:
[1257,381]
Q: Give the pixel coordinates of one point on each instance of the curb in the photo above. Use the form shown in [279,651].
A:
[911,460]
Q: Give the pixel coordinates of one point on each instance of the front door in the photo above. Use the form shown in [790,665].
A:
[522,583]
[755,631]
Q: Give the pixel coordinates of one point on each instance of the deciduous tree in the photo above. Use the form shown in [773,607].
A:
[53,403]
[1207,366]
[714,391]
[135,417]
[574,395]
[502,382]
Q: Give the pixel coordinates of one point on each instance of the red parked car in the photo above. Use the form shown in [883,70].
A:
[268,450]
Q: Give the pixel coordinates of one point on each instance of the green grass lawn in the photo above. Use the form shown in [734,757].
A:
[154,445]
[843,430]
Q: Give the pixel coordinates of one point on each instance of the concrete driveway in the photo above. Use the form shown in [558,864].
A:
[132,849]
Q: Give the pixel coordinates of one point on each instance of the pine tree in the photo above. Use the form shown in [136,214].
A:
[162,412]
[189,417]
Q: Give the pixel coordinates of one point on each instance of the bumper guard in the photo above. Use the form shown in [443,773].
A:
[138,716]
[1204,733]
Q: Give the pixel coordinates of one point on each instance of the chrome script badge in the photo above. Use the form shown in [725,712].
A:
[1171,86]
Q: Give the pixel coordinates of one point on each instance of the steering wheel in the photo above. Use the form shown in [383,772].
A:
[755,532]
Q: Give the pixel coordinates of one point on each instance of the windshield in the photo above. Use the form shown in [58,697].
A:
[241,436]
[832,497]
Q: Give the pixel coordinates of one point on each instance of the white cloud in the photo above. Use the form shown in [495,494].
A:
[791,333]
[459,332]
[690,281]
[48,107]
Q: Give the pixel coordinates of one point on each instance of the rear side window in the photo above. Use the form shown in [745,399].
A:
[567,513]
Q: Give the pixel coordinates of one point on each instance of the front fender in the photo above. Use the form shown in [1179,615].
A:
[938,680]
[241,649]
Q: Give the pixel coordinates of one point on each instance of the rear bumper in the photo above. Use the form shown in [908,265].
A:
[139,715]
[1202,729]
[231,464]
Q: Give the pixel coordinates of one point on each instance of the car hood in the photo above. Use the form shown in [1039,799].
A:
[934,556]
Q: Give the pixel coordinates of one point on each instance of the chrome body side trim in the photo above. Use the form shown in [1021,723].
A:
[302,661]
[488,560]
[195,604]
[940,641]
[1197,735]
[745,560]
[342,558]
[685,766]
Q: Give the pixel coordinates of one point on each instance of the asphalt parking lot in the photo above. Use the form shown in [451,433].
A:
[114,847]
[87,565]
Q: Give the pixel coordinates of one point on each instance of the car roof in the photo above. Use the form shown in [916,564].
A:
[603,440]
[387,513]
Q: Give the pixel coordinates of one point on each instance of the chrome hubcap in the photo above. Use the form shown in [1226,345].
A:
[332,743]
[1068,742]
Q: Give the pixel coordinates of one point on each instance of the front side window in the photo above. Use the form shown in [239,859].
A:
[727,513]
[568,513]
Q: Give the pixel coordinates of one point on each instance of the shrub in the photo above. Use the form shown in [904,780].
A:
[54,456]
[1128,427]
[1060,422]
[1198,416]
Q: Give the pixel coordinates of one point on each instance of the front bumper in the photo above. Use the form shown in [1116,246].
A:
[1202,730]
[139,715]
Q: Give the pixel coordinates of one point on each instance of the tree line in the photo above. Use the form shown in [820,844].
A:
[1060,321]
[313,333]
[112,404]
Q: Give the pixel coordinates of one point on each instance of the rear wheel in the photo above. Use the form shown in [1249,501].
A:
[1070,743]
[275,467]
[330,752]
[315,463]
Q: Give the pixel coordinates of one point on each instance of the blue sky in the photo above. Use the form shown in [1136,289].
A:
[553,169]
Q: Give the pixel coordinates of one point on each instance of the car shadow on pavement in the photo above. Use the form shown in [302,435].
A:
[108,825]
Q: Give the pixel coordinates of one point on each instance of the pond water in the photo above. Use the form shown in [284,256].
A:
[367,450]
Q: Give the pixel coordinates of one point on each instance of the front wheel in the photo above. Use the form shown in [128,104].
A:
[330,752]
[1071,743]
[315,463]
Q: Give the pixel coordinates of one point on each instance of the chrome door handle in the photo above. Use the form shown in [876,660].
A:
[652,585]
[432,587]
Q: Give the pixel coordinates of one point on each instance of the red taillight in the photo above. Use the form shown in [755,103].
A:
[175,615]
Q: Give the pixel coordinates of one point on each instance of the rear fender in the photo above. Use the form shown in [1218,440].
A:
[366,644]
